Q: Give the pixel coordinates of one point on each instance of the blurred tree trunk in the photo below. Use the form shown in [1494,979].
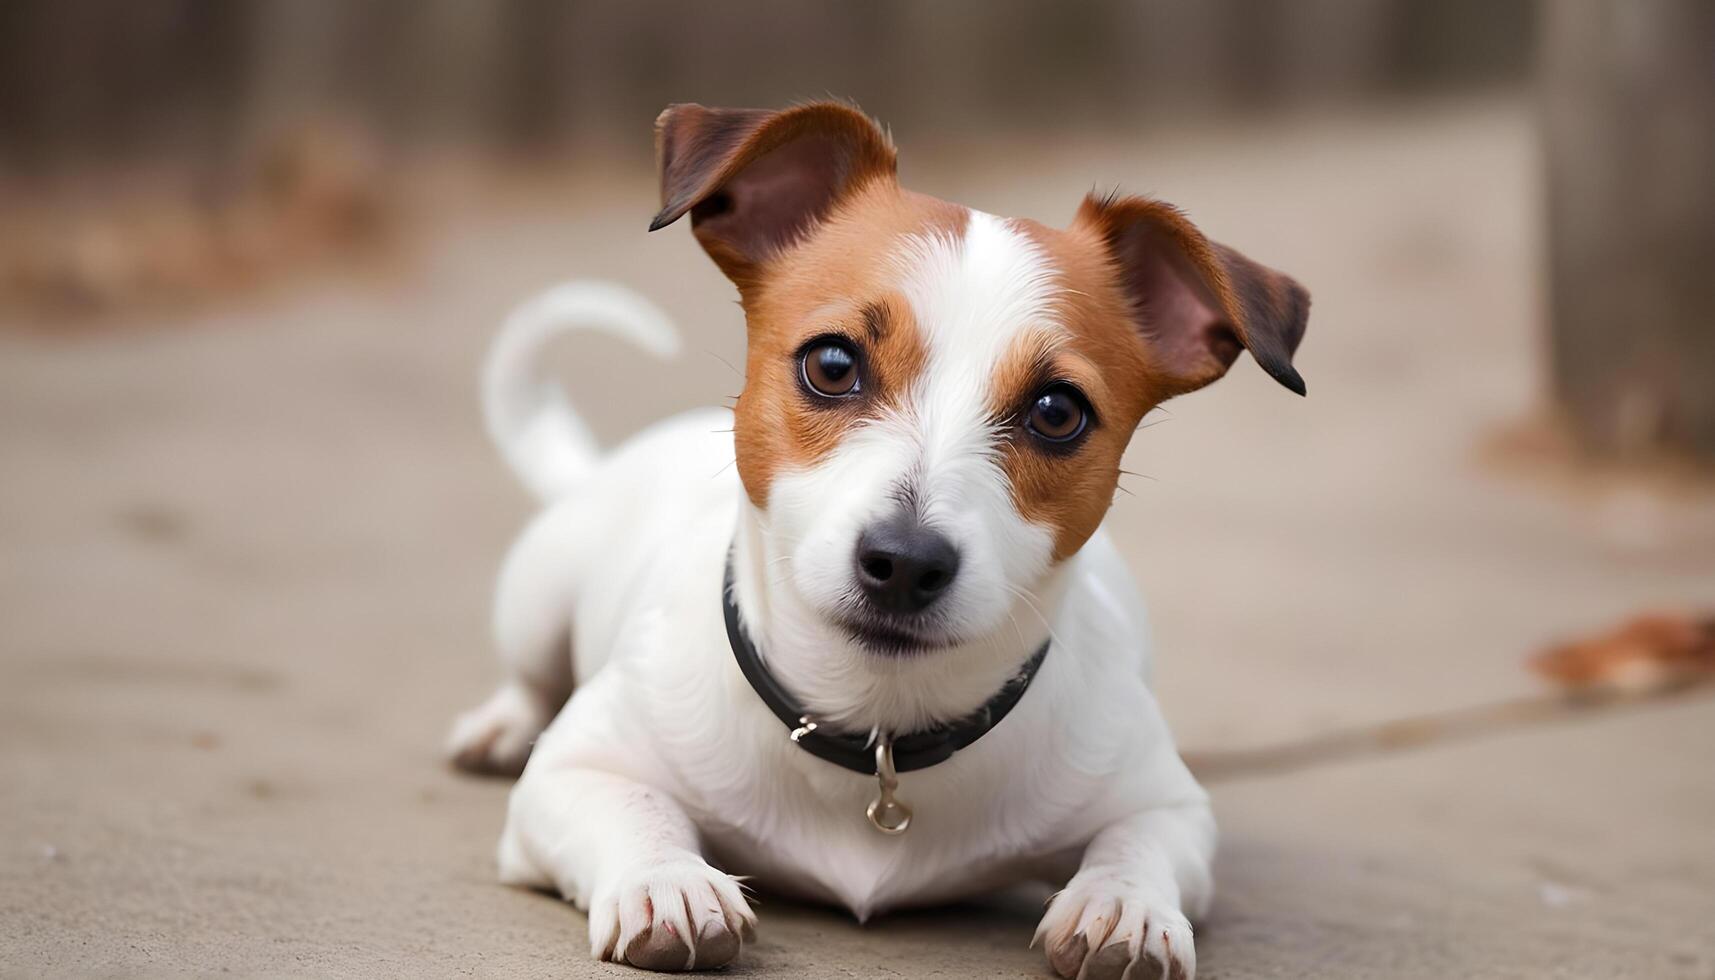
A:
[1628,98]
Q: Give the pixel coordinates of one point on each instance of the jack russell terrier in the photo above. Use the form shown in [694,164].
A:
[891,658]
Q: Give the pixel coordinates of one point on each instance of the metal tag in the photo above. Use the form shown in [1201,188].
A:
[887,813]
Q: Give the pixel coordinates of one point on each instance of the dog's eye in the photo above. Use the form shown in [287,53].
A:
[1058,413]
[830,368]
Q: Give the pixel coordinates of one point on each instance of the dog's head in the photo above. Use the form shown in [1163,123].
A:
[937,399]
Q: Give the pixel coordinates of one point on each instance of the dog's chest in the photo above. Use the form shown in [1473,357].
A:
[798,824]
[820,845]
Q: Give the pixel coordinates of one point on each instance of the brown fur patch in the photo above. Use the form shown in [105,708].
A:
[839,280]
[1104,357]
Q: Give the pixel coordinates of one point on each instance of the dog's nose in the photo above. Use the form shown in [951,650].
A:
[904,566]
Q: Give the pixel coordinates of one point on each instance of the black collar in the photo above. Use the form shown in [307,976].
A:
[916,750]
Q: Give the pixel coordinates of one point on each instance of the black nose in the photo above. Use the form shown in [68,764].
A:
[904,566]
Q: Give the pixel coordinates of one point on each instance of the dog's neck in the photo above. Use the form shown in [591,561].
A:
[842,684]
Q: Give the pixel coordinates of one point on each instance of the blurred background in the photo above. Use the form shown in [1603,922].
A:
[251,252]
[161,150]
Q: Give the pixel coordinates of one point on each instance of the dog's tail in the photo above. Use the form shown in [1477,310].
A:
[529,419]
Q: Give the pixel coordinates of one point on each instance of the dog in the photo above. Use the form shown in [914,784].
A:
[890,658]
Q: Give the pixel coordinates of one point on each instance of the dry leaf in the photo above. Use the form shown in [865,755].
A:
[1649,654]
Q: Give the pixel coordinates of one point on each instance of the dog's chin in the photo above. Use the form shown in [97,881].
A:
[889,637]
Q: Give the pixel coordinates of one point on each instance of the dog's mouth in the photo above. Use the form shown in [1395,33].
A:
[890,636]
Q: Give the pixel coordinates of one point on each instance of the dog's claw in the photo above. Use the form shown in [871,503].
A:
[645,917]
[1100,928]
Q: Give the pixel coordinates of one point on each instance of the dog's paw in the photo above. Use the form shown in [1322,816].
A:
[496,736]
[1105,926]
[680,915]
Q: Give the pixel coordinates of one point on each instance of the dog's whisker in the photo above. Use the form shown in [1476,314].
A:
[726,362]
[1016,628]
[1026,598]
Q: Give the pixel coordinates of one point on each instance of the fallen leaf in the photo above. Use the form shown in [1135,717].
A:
[1648,654]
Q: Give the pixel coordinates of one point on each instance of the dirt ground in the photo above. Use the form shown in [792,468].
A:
[245,563]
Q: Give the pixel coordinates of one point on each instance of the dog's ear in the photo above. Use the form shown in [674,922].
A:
[1197,303]
[753,179]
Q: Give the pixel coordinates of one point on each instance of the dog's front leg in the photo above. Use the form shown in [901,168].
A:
[626,853]
[1125,909]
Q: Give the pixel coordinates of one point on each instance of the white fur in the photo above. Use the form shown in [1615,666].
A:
[664,759]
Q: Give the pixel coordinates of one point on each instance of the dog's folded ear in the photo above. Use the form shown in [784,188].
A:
[754,179]
[1197,303]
